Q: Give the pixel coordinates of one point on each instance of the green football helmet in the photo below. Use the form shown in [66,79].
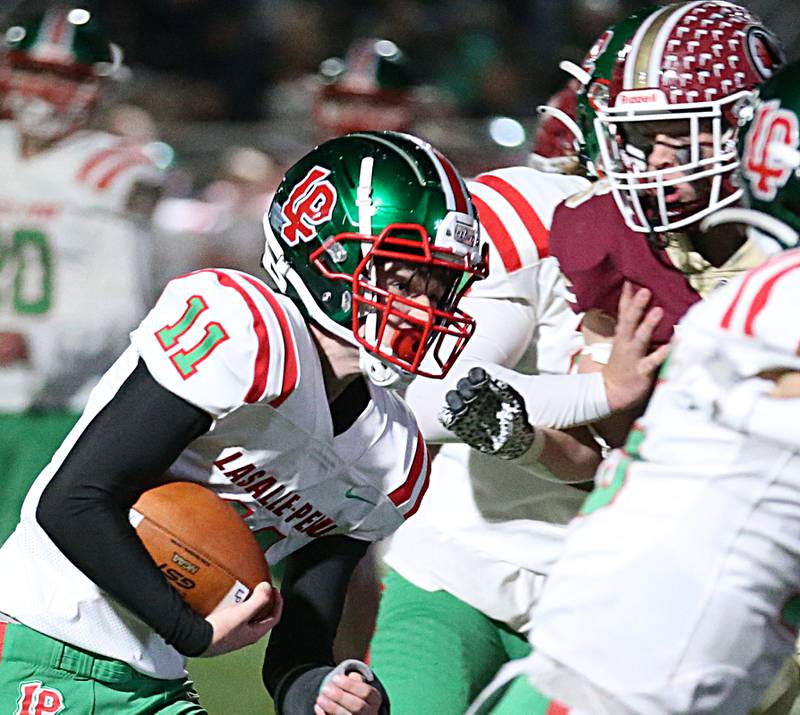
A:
[52,71]
[594,78]
[353,204]
[769,146]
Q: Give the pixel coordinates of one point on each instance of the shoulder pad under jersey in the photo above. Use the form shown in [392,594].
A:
[221,339]
[598,188]
[515,206]
[587,239]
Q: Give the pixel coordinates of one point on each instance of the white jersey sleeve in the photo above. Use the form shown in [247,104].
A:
[761,305]
[524,323]
[515,206]
[220,339]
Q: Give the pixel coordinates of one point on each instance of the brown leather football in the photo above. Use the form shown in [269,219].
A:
[200,543]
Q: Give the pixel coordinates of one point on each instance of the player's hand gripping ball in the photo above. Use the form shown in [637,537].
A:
[488,415]
[201,544]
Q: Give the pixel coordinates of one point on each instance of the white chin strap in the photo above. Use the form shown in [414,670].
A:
[380,372]
[383,374]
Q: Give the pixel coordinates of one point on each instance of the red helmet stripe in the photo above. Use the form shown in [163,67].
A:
[501,238]
[454,187]
[523,209]
[456,184]
[58,27]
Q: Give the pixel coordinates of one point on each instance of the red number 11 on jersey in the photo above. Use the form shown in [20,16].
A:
[186,360]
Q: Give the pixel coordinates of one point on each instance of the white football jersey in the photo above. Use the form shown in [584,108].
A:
[73,268]
[677,588]
[497,528]
[223,341]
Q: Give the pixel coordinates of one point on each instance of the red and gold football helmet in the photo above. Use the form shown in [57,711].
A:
[689,71]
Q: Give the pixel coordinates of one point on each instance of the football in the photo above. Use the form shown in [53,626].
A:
[200,543]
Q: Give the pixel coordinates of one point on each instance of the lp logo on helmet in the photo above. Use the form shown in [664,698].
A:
[310,203]
[773,127]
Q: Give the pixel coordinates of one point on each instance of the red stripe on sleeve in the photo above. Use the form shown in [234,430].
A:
[134,160]
[262,359]
[500,237]
[728,316]
[760,301]
[2,639]
[96,159]
[290,359]
[423,489]
[523,209]
[403,493]
[455,184]
[555,708]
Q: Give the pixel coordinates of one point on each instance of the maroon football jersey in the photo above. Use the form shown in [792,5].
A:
[598,253]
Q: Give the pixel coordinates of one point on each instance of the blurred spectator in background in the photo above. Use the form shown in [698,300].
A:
[223,226]
[370,89]
[72,251]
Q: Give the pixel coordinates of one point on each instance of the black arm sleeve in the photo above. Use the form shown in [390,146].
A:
[125,450]
[300,650]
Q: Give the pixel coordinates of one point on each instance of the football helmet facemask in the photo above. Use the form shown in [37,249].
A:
[52,72]
[688,71]
[366,202]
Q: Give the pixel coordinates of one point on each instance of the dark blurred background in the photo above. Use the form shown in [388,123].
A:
[207,75]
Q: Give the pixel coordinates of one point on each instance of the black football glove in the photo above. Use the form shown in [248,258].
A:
[488,415]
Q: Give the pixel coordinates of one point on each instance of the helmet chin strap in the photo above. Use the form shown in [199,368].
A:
[383,374]
[380,372]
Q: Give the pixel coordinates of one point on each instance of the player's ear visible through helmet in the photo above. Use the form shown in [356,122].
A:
[375,237]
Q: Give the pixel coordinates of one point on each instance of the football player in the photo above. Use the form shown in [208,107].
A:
[451,615]
[667,89]
[73,208]
[372,88]
[276,400]
[677,588]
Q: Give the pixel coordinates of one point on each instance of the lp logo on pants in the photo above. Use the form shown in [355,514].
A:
[34,699]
